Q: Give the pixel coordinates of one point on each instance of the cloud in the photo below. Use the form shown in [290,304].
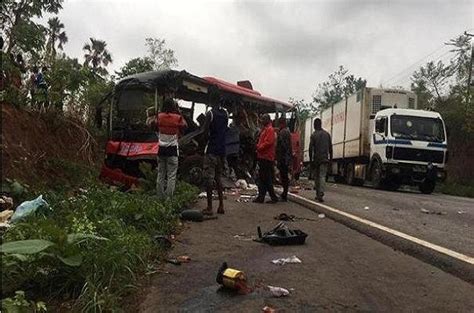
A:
[284,47]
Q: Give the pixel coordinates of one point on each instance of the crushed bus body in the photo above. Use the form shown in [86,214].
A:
[131,142]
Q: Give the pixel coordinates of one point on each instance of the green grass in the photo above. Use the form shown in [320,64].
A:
[458,189]
[109,268]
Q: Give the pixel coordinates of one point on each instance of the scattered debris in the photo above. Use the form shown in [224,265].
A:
[291,260]
[5,225]
[291,218]
[396,209]
[173,261]
[278,291]
[285,217]
[461,212]
[321,215]
[433,212]
[366,208]
[232,279]
[244,198]
[243,237]
[252,187]
[268,309]
[29,207]
[6,203]
[163,241]
[195,216]
[241,183]
[282,235]
[202,195]
[5,215]
[184,259]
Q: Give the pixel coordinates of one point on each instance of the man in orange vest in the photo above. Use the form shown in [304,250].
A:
[265,158]
[169,124]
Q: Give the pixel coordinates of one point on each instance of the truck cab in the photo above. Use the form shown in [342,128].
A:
[407,147]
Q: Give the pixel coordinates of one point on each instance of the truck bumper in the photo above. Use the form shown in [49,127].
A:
[413,174]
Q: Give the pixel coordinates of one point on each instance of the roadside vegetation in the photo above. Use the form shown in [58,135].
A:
[88,249]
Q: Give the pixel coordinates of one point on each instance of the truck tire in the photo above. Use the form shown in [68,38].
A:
[427,187]
[190,170]
[376,175]
[392,186]
[350,172]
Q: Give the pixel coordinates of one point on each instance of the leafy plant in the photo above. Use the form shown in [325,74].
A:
[19,304]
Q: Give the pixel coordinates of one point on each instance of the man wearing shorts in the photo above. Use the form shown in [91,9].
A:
[215,127]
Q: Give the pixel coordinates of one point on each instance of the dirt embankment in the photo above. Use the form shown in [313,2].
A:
[33,142]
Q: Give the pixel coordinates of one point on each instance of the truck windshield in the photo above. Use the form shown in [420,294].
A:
[417,128]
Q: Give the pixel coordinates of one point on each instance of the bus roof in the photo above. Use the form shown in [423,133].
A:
[194,88]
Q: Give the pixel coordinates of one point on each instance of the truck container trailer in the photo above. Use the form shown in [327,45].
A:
[379,135]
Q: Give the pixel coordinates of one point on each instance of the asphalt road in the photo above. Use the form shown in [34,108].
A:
[444,220]
[342,270]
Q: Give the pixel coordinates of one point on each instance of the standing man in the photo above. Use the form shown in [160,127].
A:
[215,128]
[284,155]
[265,158]
[169,125]
[320,154]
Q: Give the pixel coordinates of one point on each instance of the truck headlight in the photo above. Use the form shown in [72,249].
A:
[388,152]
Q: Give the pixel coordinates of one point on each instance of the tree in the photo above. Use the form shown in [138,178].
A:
[134,66]
[19,24]
[340,84]
[303,109]
[162,58]
[461,47]
[433,76]
[97,55]
[158,58]
[55,34]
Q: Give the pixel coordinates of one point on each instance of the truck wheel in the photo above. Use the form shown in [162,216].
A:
[392,186]
[350,174]
[376,175]
[191,170]
[427,187]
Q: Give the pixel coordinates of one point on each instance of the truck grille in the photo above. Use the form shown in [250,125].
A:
[409,154]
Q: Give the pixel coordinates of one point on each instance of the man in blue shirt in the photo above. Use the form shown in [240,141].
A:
[215,128]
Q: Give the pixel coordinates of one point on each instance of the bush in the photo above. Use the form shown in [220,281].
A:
[78,263]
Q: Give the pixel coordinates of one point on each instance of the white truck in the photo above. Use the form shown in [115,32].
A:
[378,135]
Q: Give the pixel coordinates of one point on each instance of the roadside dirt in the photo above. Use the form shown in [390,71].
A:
[30,140]
[342,270]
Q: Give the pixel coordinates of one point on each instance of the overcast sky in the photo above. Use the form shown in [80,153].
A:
[285,48]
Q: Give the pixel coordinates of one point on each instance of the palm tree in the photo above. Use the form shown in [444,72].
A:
[56,34]
[97,55]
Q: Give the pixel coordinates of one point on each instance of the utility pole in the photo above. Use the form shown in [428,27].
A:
[469,81]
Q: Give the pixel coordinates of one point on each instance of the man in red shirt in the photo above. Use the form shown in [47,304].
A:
[265,158]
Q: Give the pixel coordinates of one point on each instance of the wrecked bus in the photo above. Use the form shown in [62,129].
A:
[130,142]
